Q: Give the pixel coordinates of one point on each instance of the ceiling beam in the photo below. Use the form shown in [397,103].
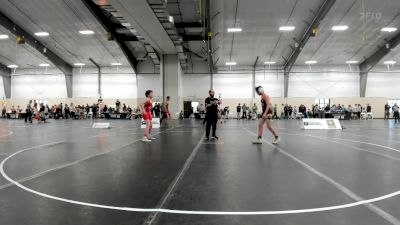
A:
[375,58]
[192,37]
[36,44]
[108,22]
[318,17]
[188,25]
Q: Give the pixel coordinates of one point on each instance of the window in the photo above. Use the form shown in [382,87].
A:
[392,102]
[322,102]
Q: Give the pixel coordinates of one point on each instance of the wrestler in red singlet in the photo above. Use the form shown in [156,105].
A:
[147,110]
[146,115]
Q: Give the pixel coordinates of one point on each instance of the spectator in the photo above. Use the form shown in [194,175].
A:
[282,111]
[4,112]
[118,105]
[244,111]
[369,108]
[303,110]
[309,113]
[66,111]
[387,111]
[295,110]
[286,110]
[290,111]
[275,112]
[238,108]
[28,112]
[396,115]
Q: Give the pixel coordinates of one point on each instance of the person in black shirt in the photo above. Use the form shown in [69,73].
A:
[211,114]
[118,106]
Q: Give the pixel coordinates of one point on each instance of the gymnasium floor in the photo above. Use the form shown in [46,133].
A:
[65,166]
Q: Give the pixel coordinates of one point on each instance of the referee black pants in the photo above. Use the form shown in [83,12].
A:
[211,122]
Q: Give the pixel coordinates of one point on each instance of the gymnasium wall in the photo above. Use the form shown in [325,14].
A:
[338,83]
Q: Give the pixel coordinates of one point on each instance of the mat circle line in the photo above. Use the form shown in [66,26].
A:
[191,212]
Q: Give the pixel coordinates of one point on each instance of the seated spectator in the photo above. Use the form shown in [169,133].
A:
[309,113]
[13,110]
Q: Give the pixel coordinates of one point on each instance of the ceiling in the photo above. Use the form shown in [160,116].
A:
[62,19]
[259,19]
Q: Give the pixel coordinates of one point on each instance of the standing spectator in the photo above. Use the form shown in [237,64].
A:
[72,111]
[212,114]
[238,108]
[286,109]
[290,111]
[67,111]
[244,111]
[4,112]
[282,112]
[118,105]
[254,108]
[28,112]
[387,111]
[396,115]
[275,111]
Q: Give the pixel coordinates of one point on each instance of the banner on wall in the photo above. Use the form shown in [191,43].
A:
[155,123]
[321,124]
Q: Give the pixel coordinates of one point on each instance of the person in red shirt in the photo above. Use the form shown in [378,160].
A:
[145,108]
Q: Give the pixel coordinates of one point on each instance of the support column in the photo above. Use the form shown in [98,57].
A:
[99,76]
[253,78]
[171,74]
[363,83]
[286,83]
[6,76]
[68,84]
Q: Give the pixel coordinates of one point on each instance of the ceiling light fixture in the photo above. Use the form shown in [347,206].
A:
[86,32]
[340,28]
[389,29]
[230,63]
[41,34]
[286,28]
[13,66]
[116,64]
[269,62]
[351,62]
[79,64]
[3,36]
[391,62]
[44,65]
[234,29]
[311,62]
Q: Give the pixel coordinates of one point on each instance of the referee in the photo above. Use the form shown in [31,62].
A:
[211,115]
